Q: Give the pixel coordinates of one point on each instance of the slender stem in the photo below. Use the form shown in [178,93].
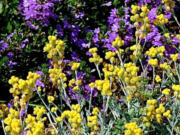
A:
[153,77]
[99,73]
[3,127]
[119,56]
[90,99]
[46,106]
[177,71]
[107,104]
[175,18]
[52,123]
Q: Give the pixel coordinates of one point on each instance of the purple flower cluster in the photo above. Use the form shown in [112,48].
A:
[154,37]
[36,11]
[3,46]
[11,64]
[75,32]
[114,28]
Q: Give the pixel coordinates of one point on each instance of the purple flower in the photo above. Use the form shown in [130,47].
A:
[9,106]
[108,4]
[179,56]
[152,14]
[24,43]
[59,30]
[149,86]
[39,72]
[39,83]
[127,1]
[23,112]
[81,75]
[3,46]
[11,64]
[10,55]
[37,11]
[11,35]
[74,57]
[87,90]
[79,15]
[168,14]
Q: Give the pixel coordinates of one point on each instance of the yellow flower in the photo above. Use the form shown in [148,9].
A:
[153,62]
[50,99]
[54,109]
[157,78]
[75,66]
[166,92]
[76,88]
[174,57]
[132,129]
[118,42]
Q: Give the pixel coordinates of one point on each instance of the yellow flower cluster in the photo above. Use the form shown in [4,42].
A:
[76,88]
[73,116]
[166,91]
[165,66]
[58,77]
[130,75]
[39,112]
[153,62]
[75,65]
[169,4]
[23,88]
[54,48]
[104,87]
[136,51]
[34,126]
[117,42]
[160,20]
[176,88]
[153,52]
[96,58]
[140,19]
[158,78]
[167,35]
[174,57]
[3,110]
[132,129]
[73,81]
[13,123]
[109,70]
[54,109]
[155,113]
[134,9]
[110,56]
[93,120]
[178,36]
[50,99]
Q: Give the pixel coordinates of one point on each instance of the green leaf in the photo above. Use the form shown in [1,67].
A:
[9,27]
[120,11]
[121,23]
[116,2]
[3,61]
[1,8]
[44,68]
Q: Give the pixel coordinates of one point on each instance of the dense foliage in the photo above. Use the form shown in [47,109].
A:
[74,67]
